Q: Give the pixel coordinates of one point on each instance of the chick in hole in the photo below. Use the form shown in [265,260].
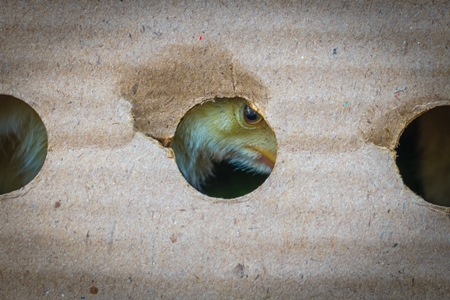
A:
[23,143]
[224,148]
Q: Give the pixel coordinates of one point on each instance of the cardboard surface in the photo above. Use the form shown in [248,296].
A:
[109,216]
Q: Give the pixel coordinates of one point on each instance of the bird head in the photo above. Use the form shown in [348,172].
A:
[23,143]
[223,130]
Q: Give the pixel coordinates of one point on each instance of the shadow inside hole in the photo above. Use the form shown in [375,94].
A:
[23,143]
[229,182]
[423,156]
[408,156]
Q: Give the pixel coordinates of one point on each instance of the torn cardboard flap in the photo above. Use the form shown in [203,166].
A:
[188,75]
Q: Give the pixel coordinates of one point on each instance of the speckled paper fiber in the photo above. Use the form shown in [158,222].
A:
[109,216]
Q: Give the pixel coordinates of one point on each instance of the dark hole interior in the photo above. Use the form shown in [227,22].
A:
[423,156]
[229,182]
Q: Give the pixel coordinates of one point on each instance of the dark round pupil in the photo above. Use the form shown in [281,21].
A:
[250,114]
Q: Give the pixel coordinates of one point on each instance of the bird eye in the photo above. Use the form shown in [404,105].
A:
[251,116]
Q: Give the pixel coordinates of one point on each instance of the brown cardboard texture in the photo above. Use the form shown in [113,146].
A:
[109,215]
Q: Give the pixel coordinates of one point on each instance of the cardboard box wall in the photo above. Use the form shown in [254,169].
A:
[110,216]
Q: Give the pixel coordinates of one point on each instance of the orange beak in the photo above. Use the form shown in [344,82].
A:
[267,157]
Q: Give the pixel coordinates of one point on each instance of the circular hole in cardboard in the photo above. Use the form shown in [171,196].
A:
[224,148]
[23,143]
[423,156]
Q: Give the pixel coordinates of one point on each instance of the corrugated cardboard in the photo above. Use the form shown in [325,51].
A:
[110,216]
